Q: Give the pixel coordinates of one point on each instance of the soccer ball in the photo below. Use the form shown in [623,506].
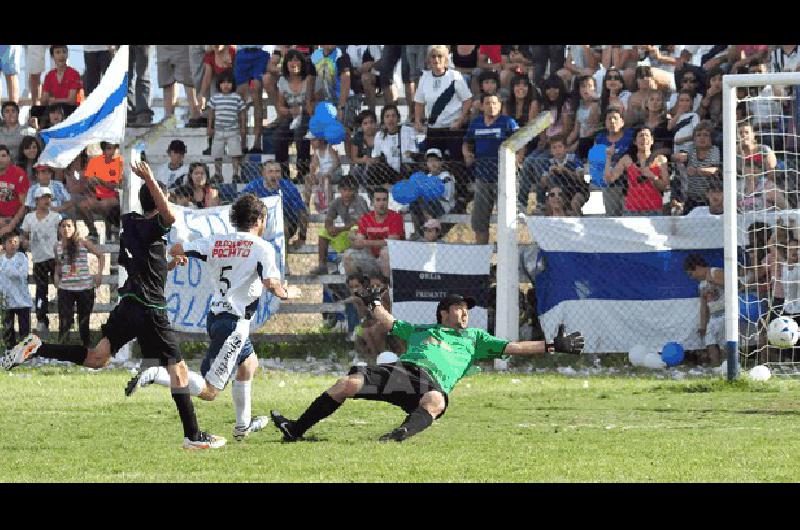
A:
[783,332]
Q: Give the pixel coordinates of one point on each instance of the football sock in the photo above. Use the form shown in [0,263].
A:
[240,392]
[159,375]
[183,401]
[320,408]
[417,421]
[63,352]
[196,383]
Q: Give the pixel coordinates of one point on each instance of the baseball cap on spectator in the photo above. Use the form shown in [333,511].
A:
[43,167]
[41,192]
[177,146]
[433,152]
[432,223]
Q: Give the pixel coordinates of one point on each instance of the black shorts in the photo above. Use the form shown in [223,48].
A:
[401,384]
[151,327]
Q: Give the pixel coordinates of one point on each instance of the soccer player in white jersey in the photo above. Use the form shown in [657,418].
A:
[242,263]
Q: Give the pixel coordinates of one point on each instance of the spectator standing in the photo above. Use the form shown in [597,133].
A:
[14,288]
[542,54]
[14,186]
[96,57]
[139,111]
[172,63]
[220,58]
[103,175]
[332,82]
[415,59]
[73,278]
[9,64]
[293,109]
[63,83]
[481,143]
[227,125]
[173,173]
[364,77]
[28,155]
[60,199]
[443,99]
[369,252]
[646,174]
[12,133]
[198,191]
[249,69]
[465,61]
[40,229]
[342,216]
[362,145]
[34,64]
[295,212]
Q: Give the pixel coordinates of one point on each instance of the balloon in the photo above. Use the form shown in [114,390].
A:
[334,133]
[386,357]
[672,354]
[405,192]
[637,354]
[750,308]
[326,111]
[653,360]
[759,373]
[597,165]
[316,127]
[432,189]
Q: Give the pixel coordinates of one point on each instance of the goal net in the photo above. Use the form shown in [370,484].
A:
[762,229]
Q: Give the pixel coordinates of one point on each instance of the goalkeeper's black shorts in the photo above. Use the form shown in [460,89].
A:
[401,384]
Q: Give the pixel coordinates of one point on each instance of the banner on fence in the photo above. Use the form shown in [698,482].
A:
[424,273]
[189,288]
[620,281]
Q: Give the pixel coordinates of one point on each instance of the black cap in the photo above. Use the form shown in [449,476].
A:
[451,299]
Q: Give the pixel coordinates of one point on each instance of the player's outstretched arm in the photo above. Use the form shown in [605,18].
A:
[142,169]
[284,292]
[372,299]
[572,343]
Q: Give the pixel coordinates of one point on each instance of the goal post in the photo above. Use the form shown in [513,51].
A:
[775,129]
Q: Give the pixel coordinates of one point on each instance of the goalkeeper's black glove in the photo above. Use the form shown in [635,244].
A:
[371,296]
[572,343]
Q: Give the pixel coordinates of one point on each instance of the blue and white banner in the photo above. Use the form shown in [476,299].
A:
[189,288]
[101,117]
[620,281]
[424,273]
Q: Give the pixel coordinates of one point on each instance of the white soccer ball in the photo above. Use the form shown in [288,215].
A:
[386,357]
[653,360]
[783,332]
[759,373]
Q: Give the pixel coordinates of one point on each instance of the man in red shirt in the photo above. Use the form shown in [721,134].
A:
[14,186]
[370,251]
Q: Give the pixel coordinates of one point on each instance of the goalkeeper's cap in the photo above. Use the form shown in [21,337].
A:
[452,299]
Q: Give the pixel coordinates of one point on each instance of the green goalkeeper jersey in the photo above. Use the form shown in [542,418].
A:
[446,353]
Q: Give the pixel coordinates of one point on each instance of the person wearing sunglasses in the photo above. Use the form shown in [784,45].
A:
[692,83]
[613,92]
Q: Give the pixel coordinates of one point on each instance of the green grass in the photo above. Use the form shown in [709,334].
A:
[67,425]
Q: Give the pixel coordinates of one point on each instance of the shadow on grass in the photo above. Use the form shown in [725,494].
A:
[717,385]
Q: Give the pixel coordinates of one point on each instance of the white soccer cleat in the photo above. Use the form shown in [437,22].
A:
[204,441]
[22,351]
[256,424]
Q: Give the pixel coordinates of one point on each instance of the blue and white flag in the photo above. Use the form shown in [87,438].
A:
[101,117]
[424,273]
[620,281]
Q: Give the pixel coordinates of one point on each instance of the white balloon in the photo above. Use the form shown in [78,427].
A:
[653,360]
[386,357]
[759,373]
[637,355]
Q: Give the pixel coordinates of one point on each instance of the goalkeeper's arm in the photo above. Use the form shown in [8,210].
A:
[572,343]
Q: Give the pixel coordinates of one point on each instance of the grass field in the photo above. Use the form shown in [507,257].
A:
[59,424]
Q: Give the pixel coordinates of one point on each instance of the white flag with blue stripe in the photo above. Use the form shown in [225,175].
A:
[101,117]
[620,281]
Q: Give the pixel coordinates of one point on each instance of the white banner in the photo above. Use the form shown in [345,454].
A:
[189,288]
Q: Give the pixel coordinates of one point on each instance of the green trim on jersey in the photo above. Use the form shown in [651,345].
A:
[446,353]
[166,229]
[152,306]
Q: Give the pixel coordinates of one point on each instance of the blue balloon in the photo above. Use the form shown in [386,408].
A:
[326,111]
[672,354]
[750,308]
[334,133]
[597,165]
[316,127]
[405,192]
[432,188]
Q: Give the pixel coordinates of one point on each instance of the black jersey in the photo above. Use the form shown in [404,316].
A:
[142,251]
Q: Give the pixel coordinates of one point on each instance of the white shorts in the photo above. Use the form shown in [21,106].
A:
[9,59]
[715,331]
[34,58]
[226,138]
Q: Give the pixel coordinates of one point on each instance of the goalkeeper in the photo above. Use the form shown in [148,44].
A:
[438,356]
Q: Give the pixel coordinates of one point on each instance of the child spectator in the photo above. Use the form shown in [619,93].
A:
[104,174]
[423,209]
[564,171]
[432,231]
[29,151]
[40,229]
[14,286]
[790,277]
[249,69]
[198,193]
[362,144]
[712,306]
[12,133]
[14,186]
[587,119]
[173,173]
[342,216]
[220,58]
[75,283]
[227,125]
[63,83]
[61,200]
[326,170]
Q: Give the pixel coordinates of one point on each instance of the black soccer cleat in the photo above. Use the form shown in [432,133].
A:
[133,384]
[397,435]
[284,425]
